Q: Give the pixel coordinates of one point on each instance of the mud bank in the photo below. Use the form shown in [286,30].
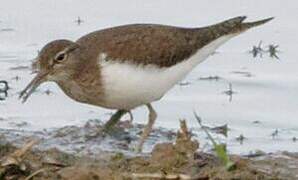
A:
[35,156]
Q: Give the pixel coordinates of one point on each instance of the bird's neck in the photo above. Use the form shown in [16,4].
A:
[83,86]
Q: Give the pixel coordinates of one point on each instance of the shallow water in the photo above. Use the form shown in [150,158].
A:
[268,95]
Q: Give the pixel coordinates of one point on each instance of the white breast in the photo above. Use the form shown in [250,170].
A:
[127,86]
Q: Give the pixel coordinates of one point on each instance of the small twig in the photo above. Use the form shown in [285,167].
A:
[160,176]
[184,130]
[21,152]
[220,149]
[56,164]
[16,157]
[204,129]
[35,173]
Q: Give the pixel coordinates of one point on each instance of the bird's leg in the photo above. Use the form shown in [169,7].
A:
[114,119]
[148,127]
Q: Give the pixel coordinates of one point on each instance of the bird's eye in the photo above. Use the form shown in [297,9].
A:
[60,57]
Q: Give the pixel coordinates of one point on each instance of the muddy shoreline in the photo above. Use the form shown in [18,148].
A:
[72,153]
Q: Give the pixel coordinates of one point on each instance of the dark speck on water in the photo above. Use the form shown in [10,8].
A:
[275,133]
[256,122]
[241,138]
[209,78]
[273,50]
[79,21]
[16,78]
[257,50]
[184,83]
[48,92]
[19,68]
[230,92]
[244,73]
[221,130]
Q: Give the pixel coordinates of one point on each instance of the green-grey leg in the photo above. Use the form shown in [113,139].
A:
[114,119]
[148,127]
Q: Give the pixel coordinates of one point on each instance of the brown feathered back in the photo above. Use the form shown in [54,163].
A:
[159,45]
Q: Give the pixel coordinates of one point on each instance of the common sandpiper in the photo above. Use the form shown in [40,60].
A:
[129,66]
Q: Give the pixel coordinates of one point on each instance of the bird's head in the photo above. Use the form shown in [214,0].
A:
[56,61]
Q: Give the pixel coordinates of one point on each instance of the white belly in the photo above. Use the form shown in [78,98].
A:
[127,86]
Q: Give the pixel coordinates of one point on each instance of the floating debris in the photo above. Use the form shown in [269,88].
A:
[257,50]
[273,50]
[221,130]
[48,92]
[244,73]
[240,138]
[210,78]
[275,134]
[256,153]
[184,83]
[16,78]
[32,44]
[3,90]
[256,122]
[79,21]
[7,29]
[230,92]
[19,124]
[19,68]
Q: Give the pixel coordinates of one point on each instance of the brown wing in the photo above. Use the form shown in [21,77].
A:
[143,44]
[159,45]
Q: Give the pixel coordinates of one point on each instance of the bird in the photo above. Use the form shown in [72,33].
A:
[128,66]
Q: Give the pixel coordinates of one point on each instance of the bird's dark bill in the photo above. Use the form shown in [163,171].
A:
[37,80]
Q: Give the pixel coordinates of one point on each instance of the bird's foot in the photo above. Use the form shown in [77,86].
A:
[98,133]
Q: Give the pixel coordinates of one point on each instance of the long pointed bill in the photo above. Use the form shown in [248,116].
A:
[39,78]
